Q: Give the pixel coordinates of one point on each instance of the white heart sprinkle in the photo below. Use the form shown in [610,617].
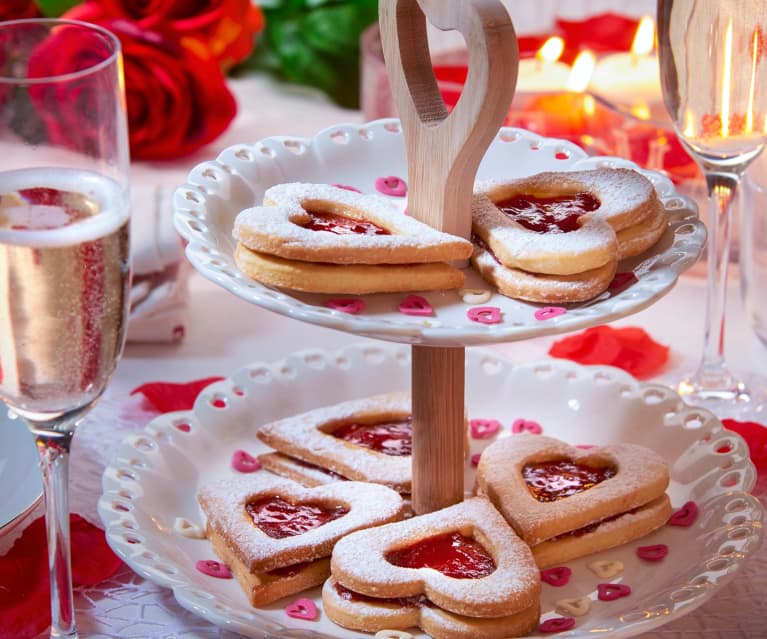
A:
[575,606]
[186,528]
[606,568]
[393,634]
[475,295]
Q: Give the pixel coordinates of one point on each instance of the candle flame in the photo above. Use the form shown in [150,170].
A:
[551,50]
[644,39]
[727,79]
[581,72]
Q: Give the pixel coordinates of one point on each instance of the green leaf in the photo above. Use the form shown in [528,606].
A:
[54,8]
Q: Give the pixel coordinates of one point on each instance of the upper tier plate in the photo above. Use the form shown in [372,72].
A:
[356,155]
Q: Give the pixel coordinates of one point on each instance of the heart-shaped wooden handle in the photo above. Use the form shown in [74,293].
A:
[444,150]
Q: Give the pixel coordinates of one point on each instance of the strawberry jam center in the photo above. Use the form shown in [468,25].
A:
[415,601]
[549,481]
[389,438]
[340,225]
[453,554]
[280,518]
[558,214]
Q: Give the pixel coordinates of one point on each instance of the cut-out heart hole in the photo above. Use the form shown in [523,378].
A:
[391,185]
[416,305]
[213,568]
[557,577]
[557,624]
[244,462]
[303,608]
[606,568]
[575,606]
[611,592]
[550,481]
[280,518]
[452,554]
[685,516]
[394,438]
[656,552]
[483,428]
[322,220]
[526,426]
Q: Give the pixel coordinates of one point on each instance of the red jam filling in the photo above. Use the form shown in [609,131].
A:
[549,481]
[340,225]
[280,518]
[588,528]
[389,438]
[453,554]
[326,471]
[558,214]
[416,601]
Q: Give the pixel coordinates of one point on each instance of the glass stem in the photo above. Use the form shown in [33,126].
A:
[54,463]
[713,373]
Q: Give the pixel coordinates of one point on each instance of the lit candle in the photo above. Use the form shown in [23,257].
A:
[631,80]
[544,72]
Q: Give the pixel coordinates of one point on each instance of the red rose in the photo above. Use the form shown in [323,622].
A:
[227,27]
[16,9]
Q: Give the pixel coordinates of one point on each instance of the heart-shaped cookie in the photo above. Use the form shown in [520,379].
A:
[465,559]
[268,522]
[546,488]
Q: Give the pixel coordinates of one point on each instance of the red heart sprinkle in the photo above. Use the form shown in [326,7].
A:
[391,185]
[475,459]
[483,428]
[556,577]
[652,553]
[557,624]
[415,305]
[622,279]
[526,426]
[351,306]
[549,312]
[346,187]
[685,516]
[302,609]
[611,592]
[213,568]
[484,314]
[244,462]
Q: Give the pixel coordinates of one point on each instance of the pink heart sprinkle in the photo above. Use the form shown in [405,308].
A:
[483,428]
[622,280]
[652,553]
[526,426]
[244,462]
[475,459]
[346,187]
[557,624]
[685,516]
[391,185]
[415,305]
[302,609]
[556,577]
[549,312]
[213,568]
[484,314]
[611,592]
[351,306]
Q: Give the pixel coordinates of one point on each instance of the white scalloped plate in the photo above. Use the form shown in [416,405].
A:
[156,474]
[355,155]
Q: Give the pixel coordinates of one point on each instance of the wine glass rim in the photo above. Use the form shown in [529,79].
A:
[106,33]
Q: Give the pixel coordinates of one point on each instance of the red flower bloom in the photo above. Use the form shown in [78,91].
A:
[630,349]
[226,27]
[17,9]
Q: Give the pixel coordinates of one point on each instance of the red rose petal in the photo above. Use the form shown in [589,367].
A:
[593,346]
[755,435]
[24,582]
[168,397]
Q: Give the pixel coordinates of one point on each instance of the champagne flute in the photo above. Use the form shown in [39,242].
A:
[64,247]
[713,61]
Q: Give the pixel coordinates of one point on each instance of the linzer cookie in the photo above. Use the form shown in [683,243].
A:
[276,536]
[567,502]
[367,439]
[325,239]
[458,572]
[557,237]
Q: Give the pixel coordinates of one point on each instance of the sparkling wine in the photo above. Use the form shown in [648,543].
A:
[713,59]
[64,279]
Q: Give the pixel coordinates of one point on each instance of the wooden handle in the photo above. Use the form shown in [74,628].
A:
[444,151]
[443,154]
